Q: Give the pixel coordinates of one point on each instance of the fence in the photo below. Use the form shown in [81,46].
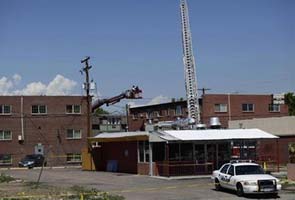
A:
[183,168]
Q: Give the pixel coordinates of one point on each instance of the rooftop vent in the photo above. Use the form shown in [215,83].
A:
[215,123]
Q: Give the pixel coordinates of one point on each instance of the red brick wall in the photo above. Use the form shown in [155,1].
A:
[138,123]
[50,130]
[127,163]
[261,103]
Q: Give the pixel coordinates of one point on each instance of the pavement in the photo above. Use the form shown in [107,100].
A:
[135,187]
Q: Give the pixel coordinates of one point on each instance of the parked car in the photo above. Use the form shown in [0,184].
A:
[245,177]
[33,160]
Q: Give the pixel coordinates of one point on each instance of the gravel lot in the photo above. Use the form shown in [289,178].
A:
[134,187]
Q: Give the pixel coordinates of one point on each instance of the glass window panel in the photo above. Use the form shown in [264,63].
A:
[178,110]
[5,159]
[141,151]
[77,108]
[35,109]
[77,134]
[70,133]
[69,108]
[42,109]
[7,109]
[7,135]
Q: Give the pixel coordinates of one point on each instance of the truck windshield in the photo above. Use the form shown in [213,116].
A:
[248,169]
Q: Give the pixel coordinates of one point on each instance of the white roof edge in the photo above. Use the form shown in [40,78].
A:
[121,134]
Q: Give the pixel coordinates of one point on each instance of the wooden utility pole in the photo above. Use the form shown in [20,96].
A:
[204,90]
[87,88]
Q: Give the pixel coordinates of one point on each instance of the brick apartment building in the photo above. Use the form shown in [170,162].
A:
[51,125]
[239,106]
[139,115]
[225,106]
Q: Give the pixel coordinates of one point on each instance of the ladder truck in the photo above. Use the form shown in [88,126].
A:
[189,65]
[133,93]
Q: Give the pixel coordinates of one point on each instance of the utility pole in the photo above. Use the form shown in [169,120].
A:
[204,90]
[87,88]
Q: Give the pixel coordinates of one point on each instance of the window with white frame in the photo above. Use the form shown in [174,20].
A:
[248,107]
[274,107]
[73,109]
[171,112]
[144,155]
[156,114]
[178,110]
[164,112]
[5,135]
[39,109]
[74,134]
[5,109]
[5,159]
[134,116]
[74,157]
[220,107]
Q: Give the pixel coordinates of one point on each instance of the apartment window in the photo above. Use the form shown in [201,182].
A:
[134,116]
[163,112]
[5,135]
[156,114]
[274,107]
[178,110]
[248,107]
[39,109]
[73,109]
[5,109]
[74,157]
[5,159]
[73,134]
[171,112]
[220,107]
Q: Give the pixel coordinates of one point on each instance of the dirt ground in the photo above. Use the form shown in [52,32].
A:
[24,190]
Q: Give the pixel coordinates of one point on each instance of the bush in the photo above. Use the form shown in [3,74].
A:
[5,178]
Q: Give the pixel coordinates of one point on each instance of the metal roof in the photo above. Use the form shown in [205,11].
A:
[184,135]
[120,136]
[215,134]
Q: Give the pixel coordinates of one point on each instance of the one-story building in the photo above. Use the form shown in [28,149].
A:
[173,152]
[283,127]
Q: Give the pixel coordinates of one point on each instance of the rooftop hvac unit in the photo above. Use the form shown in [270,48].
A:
[215,123]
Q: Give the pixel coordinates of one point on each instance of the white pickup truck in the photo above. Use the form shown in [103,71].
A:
[245,177]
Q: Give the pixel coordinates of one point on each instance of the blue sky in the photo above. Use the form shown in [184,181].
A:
[239,46]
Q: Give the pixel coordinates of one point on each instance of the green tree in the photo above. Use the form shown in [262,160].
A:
[100,111]
[290,101]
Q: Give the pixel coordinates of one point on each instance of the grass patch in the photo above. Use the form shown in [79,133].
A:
[93,194]
[5,178]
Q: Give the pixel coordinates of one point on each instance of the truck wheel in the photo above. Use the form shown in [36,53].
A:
[240,191]
[217,185]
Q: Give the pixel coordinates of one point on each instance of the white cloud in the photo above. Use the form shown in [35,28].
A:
[58,86]
[34,88]
[16,78]
[5,85]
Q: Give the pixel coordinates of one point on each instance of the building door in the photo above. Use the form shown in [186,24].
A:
[39,149]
